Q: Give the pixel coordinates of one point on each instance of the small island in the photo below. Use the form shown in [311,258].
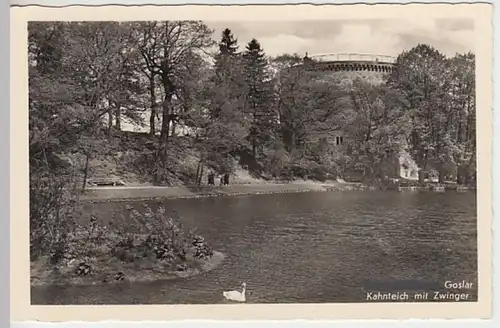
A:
[153,246]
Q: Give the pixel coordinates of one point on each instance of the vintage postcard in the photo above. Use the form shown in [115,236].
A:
[251,162]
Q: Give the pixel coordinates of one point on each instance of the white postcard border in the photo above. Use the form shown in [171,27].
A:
[246,324]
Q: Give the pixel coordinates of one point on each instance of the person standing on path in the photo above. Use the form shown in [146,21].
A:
[211,179]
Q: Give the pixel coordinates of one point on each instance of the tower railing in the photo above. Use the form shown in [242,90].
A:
[353,57]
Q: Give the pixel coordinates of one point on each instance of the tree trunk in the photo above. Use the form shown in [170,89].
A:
[293,140]
[166,117]
[118,117]
[152,127]
[460,175]
[201,174]
[470,174]
[441,176]
[198,169]
[85,172]
[468,179]
[110,122]
[254,148]
[421,176]
[173,128]
[165,129]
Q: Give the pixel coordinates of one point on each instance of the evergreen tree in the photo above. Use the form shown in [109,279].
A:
[228,44]
[227,75]
[258,105]
[223,128]
[226,58]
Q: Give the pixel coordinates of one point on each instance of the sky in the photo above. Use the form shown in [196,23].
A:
[382,36]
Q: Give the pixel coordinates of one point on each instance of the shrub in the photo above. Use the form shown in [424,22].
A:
[163,234]
[52,212]
[58,236]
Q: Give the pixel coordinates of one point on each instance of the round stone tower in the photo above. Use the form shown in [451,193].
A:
[342,69]
[346,67]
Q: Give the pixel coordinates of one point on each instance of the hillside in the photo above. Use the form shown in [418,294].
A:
[126,158]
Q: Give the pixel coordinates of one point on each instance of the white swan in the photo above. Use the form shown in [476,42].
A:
[236,295]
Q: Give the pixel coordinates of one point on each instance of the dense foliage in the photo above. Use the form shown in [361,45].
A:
[275,116]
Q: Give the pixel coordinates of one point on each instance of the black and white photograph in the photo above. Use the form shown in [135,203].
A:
[230,161]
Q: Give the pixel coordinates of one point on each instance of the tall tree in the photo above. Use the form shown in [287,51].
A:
[173,51]
[68,90]
[228,44]
[463,115]
[51,94]
[376,128]
[258,105]
[145,37]
[127,93]
[222,127]
[227,81]
[419,75]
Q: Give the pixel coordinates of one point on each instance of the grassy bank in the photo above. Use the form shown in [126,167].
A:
[147,246]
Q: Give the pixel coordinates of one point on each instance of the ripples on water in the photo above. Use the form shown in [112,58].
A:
[307,247]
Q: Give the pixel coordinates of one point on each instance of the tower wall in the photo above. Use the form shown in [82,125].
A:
[373,69]
[367,67]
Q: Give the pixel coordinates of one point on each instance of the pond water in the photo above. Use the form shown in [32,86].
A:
[307,248]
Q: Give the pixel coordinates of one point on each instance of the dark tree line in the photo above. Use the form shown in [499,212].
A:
[439,98]
[276,116]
